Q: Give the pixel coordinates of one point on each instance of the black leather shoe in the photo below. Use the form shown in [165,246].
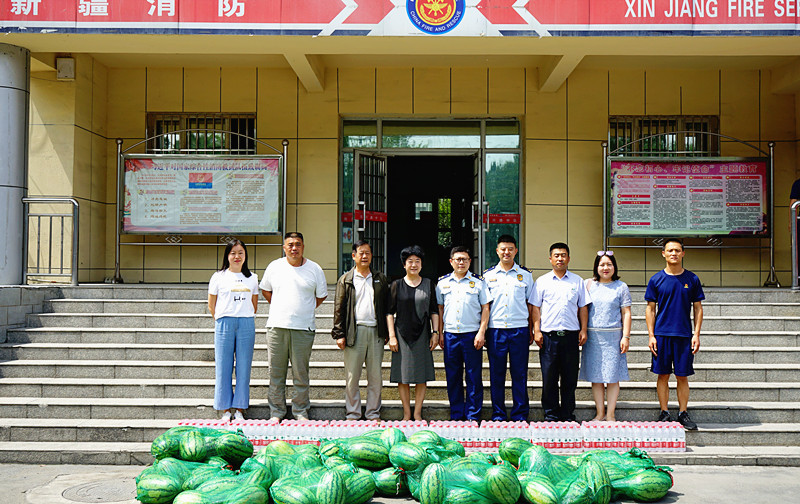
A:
[688,424]
[664,416]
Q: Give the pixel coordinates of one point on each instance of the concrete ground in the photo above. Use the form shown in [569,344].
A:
[70,484]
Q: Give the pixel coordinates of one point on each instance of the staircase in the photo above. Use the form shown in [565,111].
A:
[107,368]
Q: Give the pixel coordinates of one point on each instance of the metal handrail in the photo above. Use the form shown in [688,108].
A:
[75,234]
[793,220]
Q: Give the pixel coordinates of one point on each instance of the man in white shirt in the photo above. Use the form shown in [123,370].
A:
[293,286]
[359,328]
[559,306]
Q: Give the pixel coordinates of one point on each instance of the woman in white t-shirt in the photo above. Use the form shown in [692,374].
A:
[233,301]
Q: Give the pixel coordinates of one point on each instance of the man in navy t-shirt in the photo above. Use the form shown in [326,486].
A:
[672,294]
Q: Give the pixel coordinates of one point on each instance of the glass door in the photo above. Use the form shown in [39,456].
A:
[480,216]
[369,205]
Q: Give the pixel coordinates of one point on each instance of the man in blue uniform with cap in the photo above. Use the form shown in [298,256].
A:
[509,334]
[463,318]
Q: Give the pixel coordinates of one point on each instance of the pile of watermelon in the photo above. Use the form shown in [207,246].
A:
[206,466]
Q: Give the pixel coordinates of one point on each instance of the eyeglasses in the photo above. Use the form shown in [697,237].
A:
[601,253]
[461,259]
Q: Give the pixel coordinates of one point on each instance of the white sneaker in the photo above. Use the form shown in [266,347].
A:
[238,415]
[274,420]
[226,417]
[301,418]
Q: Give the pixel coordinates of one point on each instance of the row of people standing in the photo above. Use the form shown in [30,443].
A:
[505,310]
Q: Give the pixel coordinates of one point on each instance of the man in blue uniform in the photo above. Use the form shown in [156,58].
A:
[671,294]
[509,334]
[560,308]
[463,317]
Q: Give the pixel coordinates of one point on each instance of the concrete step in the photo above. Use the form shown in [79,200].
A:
[328,352]
[205,335]
[332,389]
[144,306]
[333,370]
[724,309]
[183,320]
[145,408]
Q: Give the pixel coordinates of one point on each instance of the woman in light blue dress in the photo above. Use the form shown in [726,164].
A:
[603,360]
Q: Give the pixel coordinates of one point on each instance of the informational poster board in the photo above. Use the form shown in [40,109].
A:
[688,197]
[202,195]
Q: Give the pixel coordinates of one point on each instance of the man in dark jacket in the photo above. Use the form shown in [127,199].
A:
[359,328]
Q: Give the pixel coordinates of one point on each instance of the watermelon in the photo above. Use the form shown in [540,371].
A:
[485,458]
[308,461]
[292,494]
[455,447]
[335,461]
[190,497]
[166,445]
[260,477]
[537,489]
[359,487]
[425,437]
[328,449]
[464,496]
[647,485]
[331,488]
[201,475]
[512,448]
[432,489]
[408,456]
[192,447]
[392,436]
[157,488]
[390,482]
[279,447]
[248,494]
[368,453]
[217,461]
[502,483]
[233,447]
[597,478]
[373,433]
[253,463]
[308,449]
[178,469]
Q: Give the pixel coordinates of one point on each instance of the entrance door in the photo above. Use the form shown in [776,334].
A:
[480,216]
[369,205]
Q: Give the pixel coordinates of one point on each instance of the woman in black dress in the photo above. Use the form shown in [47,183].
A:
[412,308]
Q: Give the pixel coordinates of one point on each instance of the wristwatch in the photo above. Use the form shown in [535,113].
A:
[435,332]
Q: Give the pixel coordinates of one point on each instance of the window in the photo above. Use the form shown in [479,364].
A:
[663,136]
[214,133]
[421,207]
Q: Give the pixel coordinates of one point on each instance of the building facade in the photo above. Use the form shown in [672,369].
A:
[485,104]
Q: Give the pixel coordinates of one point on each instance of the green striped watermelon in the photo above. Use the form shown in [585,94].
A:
[233,447]
[432,488]
[373,433]
[464,496]
[455,447]
[308,461]
[392,436]
[308,449]
[331,488]
[390,482]
[191,497]
[217,461]
[335,461]
[261,477]
[192,446]
[178,469]
[425,437]
[408,456]
[157,488]
[201,475]
[328,449]
[647,485]
[502,483]
[597,478]
[279,447]
[537,489]
[512,448]
[359,487]
[369,453]
[292,494]
[166,445]
[219,485]
[248,494]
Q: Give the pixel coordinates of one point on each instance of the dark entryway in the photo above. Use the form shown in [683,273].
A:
[429,204]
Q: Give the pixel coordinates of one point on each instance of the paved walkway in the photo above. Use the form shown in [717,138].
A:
[69,484]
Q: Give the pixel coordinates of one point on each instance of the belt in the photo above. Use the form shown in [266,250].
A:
[560,333]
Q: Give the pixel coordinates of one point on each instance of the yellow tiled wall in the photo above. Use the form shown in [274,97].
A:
[75,124]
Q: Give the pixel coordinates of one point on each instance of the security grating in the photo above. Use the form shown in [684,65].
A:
[664,136]
[187,133]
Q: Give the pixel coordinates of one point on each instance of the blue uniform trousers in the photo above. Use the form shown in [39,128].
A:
[512,346]
[460,355]
[560,359]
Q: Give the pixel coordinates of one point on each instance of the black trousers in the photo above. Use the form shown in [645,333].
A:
[560,360]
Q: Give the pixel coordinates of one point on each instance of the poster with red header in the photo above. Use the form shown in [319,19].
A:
[202,195]
[651,198]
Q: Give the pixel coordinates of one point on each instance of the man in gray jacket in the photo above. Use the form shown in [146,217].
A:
[359,328]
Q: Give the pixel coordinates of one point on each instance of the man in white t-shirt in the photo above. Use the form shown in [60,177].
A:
[293,286]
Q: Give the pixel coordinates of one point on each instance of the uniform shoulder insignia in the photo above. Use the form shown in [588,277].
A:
[526,269]
[444,276]
[479,277]
[489,269]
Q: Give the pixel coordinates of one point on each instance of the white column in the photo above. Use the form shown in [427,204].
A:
[14,104]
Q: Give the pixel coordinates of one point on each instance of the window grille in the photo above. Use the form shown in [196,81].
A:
[678,136]
[217,135]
